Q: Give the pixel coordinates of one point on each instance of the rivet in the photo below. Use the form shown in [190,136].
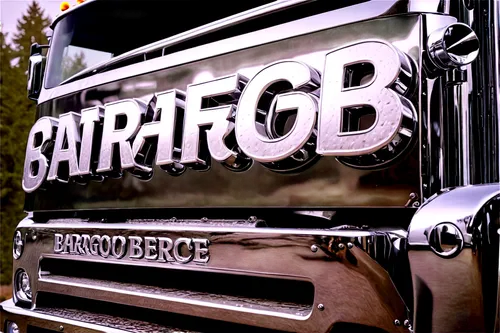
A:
[321,307]
[314,248]
[204,219]
[61,328]
[252,218]
[341,246]
[350,245]
[406,323]
[397,322]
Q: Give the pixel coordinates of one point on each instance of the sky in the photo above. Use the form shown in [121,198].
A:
[12,10]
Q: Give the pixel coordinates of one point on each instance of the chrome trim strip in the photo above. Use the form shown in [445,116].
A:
[304,26]
[496,66]
[356,257]
[458,206]
[9,312]
[76,225]
[452,236]
[163,302]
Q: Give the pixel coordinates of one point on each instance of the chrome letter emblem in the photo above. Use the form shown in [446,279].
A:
[264,143]
[285,118]
[332,140]
[160,249]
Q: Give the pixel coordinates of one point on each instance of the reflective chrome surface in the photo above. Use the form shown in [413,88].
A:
[453,46]
[36,165]
[454,261]
[326,183]
[386,8]
[18,245]
[446,240]
[346,259]
[36,69]
[232,119]
[315,23]
[357,272]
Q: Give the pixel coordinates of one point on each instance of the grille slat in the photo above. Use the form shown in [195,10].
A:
[80,286]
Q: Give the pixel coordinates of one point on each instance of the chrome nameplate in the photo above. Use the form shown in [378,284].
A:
[161,249]
[285,118]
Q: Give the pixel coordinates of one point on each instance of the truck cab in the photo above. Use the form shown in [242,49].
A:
[263,166]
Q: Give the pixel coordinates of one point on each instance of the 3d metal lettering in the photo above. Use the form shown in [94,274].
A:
[160,249]
[258,144]
[332,140]
[36,163]
[234,121]
[168,106]
[217,116]
[68,133]
[111,135]
[88,121]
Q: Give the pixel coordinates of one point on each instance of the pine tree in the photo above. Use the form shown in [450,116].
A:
[10,191]
[31,28]
[73,65]
[17,114]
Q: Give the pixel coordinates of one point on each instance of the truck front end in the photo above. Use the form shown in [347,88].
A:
[270,166]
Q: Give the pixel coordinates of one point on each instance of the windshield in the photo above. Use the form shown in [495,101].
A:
[103,29]
[71,52]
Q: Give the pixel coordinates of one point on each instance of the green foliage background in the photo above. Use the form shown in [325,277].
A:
[17,115]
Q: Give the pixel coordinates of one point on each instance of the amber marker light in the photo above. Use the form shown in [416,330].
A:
[80,1]
[64,6]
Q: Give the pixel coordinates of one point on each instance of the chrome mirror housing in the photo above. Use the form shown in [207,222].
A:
[35,70]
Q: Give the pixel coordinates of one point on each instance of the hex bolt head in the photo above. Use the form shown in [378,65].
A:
[314,248]
[321,307]
[397,322]
[341,246]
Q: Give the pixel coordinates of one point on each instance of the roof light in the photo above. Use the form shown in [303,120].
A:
[64,6]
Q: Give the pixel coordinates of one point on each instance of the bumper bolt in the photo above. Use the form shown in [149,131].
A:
[341,246]
[61,328]
[321,307]
[314,248]
[350,245]
[397,322]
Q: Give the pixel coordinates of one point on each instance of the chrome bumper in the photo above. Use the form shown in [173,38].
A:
[32,321]
[453,251]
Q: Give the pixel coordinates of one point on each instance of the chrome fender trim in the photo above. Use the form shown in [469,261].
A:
[454,258]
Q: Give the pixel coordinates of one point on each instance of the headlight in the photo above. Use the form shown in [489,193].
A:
[18,245]
[22,286]
[11,327]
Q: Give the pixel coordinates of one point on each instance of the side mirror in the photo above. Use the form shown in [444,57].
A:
[35,70]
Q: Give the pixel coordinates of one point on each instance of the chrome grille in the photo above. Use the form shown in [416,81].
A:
[281,279]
